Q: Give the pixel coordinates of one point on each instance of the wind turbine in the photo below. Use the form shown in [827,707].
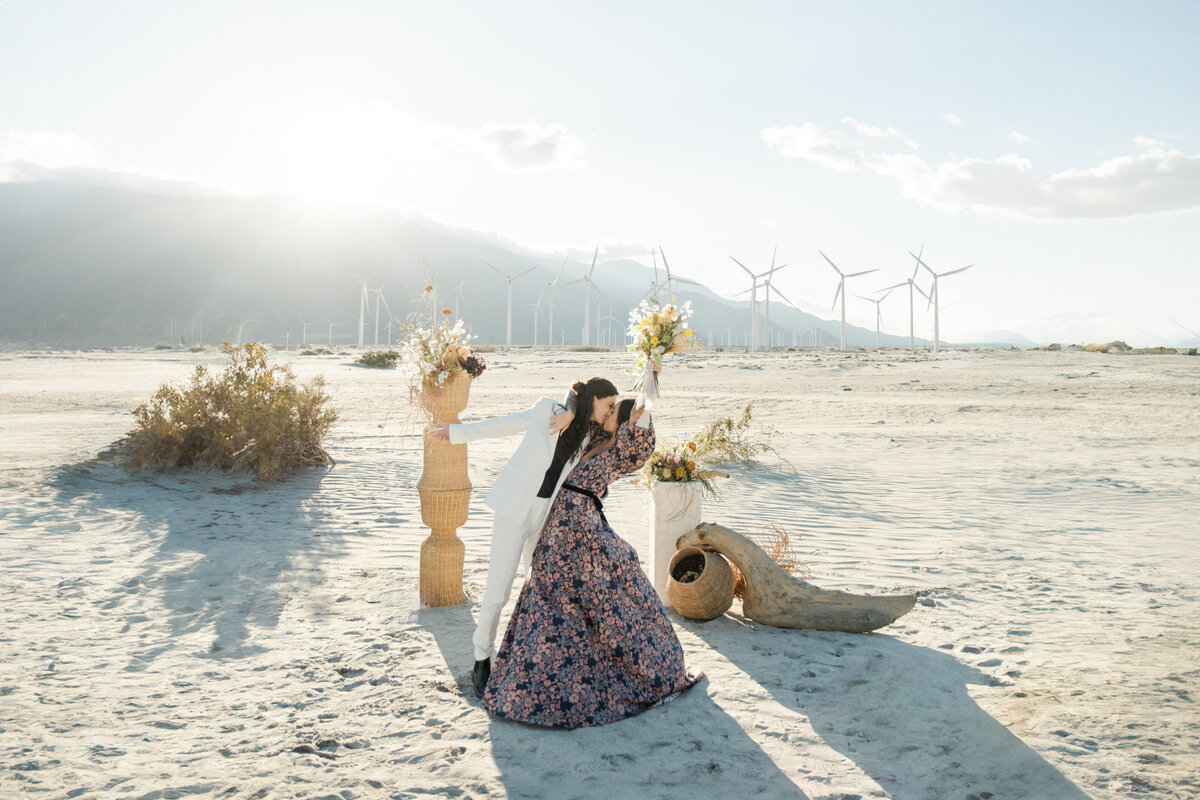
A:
[753,292]
[610,319]
[671,278]
[586,280]
[363,302]
[537,313]
[911,283]
[379,298]
[878,309]
[509,279]
[552,287]
[933,292]
[460,300]
[842,293]
[304,332]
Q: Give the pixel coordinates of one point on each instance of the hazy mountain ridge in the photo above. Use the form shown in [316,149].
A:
[103,264]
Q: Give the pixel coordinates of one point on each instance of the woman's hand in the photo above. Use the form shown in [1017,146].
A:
[560,422]
[439,432]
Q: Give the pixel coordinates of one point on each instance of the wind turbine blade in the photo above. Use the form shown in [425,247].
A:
[773,252]
[920,292]
[497,269]
[748,291]
[782,296]
[596,289]
[577,280]
[771,272]
[687,280]
[666,264]
[896,286]
[835,266]
[954,271]
[526,272]
[745,268]
[838,293]
[594,255]
[560,269]
[921,263]
[864,272]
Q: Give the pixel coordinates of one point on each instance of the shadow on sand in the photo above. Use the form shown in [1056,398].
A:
[227,554]
[686,749]
[900,712]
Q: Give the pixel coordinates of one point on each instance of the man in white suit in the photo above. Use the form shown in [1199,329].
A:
[519,511]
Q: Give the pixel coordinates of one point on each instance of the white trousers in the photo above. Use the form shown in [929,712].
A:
[509,538]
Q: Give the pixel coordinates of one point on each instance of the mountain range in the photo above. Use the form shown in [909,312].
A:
[94,261]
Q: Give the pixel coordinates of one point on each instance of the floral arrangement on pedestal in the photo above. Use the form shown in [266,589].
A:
[695,460]
[656,332]
[434,353]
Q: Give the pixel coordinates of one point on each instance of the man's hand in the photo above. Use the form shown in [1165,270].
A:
[560,422]
[440,432]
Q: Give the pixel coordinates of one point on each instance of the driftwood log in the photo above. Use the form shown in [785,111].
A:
[776,598]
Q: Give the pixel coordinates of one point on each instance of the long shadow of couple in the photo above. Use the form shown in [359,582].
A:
[901,713]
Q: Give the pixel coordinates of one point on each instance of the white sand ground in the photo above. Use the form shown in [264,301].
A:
[161,637]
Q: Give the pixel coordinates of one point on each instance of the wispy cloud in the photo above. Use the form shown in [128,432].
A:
[20,150]
[953,119]
[1154,180]
[529,146]
[1019,138]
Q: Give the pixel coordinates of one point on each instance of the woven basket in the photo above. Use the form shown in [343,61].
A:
[700,585]
[447,401]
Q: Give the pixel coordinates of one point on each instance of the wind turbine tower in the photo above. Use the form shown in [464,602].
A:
[509,280]
[586,280]
[933,293]
[841,291]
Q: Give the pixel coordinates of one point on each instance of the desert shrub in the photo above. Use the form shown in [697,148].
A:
[252,417]
[316,351]
[379,358]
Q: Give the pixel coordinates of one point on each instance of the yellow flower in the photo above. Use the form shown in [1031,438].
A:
[447,311]
[653,340]
[691,466]
[679,473]
[688,332]
[691,446]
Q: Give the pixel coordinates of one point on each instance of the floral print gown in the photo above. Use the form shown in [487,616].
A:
[589,642]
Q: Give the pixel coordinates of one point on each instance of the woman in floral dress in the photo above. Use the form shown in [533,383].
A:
[589,642]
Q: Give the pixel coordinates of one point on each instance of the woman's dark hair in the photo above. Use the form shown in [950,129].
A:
[570,442]
[624,411]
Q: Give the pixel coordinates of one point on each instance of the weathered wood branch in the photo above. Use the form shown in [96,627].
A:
[773,597]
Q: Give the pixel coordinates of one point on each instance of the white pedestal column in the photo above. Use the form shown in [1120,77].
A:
[676,511]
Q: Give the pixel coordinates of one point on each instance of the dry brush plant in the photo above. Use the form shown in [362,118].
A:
[252,417]
[776,542]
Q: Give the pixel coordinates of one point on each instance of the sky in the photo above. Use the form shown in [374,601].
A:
[1053,146]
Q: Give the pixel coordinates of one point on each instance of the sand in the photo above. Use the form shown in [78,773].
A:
[180,635]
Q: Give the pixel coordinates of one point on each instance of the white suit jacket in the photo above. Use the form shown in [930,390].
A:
[517,485]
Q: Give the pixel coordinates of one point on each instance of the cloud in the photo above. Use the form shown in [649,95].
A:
[41,150]
[953,119]
[529,146]
[1154,181]
[1019,138]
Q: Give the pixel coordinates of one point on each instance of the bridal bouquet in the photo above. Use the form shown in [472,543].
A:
[431,355]
[656,332]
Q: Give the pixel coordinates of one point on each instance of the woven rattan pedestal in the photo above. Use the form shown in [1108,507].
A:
[445,492]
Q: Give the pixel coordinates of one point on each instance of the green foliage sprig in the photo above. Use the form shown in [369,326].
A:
[253,417]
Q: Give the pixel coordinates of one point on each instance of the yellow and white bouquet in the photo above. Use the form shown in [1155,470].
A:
[657,332]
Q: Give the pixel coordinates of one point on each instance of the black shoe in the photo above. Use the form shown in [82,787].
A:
[480,675]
